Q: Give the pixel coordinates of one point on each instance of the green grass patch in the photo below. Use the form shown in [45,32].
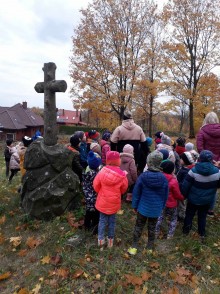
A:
[37,257]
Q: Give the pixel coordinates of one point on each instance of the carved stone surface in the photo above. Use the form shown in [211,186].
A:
[49,184]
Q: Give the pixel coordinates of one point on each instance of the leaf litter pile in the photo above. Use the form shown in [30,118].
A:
[60,257]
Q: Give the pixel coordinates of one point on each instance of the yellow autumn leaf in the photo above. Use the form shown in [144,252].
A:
[120,212]
[36,289]
[23,291]
[16,241]
[45,259]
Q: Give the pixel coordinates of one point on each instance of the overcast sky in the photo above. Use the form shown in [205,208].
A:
[33,33]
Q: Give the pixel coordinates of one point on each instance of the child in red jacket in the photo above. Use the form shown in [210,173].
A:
[110,183]
[170,210]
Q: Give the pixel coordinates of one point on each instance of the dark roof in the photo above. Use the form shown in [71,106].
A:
[17,117]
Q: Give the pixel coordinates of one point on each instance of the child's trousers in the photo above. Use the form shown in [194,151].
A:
[171,215]
[191,210]
[104,221]
[138,229]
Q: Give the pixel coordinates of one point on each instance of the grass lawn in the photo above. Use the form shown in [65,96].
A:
[38,257]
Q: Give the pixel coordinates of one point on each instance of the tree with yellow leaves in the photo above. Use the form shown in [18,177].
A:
[191,49]
[108,53]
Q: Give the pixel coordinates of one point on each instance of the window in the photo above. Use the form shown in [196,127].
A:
[10,136]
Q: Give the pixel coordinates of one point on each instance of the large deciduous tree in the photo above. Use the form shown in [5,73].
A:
[192,46]
[108,52]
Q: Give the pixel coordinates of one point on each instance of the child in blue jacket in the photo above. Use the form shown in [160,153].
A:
[200,187]
[149,198]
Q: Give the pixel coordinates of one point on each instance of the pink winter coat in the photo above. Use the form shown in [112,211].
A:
[110,183]
[174,191]
[128,164]
[208,138]
[105,145]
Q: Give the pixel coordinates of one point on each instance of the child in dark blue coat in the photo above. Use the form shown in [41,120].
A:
[91,219]
[149,198]
[200,187]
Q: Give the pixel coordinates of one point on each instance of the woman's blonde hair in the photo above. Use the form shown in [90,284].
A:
[211,118]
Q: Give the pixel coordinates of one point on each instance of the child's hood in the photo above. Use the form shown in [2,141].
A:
[112,175]
[169,177]
[205,168]
[126,157]
[153,180]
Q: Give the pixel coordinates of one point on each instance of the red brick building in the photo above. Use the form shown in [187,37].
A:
[18,121]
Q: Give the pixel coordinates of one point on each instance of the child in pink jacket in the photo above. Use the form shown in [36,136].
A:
[110,183]
[170,210]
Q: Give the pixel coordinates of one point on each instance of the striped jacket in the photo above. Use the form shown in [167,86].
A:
[201,183]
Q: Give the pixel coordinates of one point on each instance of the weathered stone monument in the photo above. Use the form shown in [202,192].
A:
[49,184]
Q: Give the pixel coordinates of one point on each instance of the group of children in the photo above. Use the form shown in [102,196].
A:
[173,172]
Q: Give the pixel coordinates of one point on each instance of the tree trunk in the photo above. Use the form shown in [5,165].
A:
[191,120]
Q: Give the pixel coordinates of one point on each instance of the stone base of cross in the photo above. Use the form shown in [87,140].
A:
[49,87]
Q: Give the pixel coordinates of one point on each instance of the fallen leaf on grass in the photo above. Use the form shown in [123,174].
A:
[154,265]
[33,243]
[2,219]
[55,260]
[134,280]
[23,291]
[45,259]
[120,212]
[16,241]
[146,276]
[173,290]
[36,290]
[53,283]
[5,276]
[22,252]
[77,274]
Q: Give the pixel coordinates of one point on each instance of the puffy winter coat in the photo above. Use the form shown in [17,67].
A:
[201,183]
[21,152]
[14,160]
[110,183]
[105,145]
[180,149]
[150,193]
[88,190]
[128,133]
[128,164]
[174,191]
[208,138]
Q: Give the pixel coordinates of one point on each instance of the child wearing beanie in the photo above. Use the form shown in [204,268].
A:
[148,200]
[74,148]
[82,148]
[190,148]
[105,146]
[170,211]
[95,147]
[180,148]
[186,163]
[91,219]
[200,187]
[128,164]
[110,183]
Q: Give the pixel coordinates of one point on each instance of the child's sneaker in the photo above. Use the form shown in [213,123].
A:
[132,251]
[101,242]
[110,242]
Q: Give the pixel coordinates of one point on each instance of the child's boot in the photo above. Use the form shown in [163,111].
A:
[129,197]
[110,242]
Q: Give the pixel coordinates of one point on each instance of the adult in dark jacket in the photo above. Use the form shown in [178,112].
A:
[128,133]
[200,187]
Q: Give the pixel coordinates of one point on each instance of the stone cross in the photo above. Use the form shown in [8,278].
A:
[49,87]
